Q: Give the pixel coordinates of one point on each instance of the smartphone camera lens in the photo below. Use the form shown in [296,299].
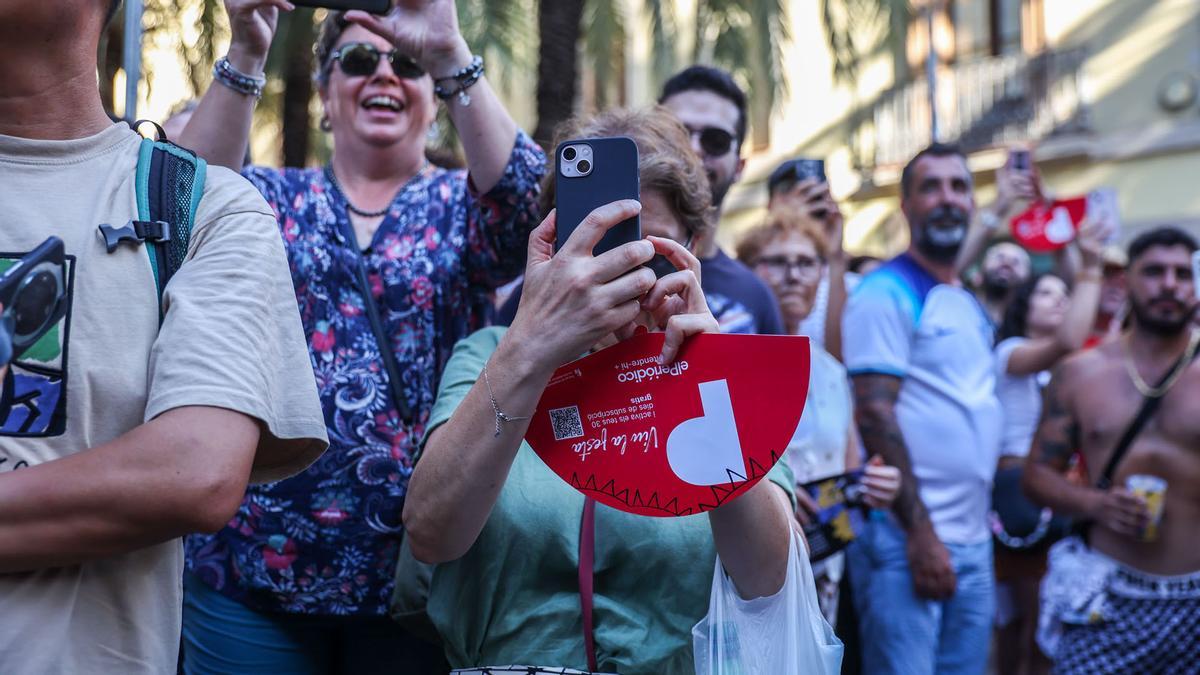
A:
[569,154]
[584,166]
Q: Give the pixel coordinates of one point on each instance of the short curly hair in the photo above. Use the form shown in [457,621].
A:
[666,162]
[781,222]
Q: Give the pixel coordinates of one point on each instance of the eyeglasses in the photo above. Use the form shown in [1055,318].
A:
[714,141]
[359,59]
[782,265]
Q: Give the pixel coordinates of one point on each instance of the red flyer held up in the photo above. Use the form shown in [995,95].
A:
[672,440]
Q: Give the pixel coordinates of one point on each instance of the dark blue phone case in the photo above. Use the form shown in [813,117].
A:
[614,177]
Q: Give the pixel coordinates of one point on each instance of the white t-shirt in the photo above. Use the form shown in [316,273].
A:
[818,446]
[813,325]
[231,339]
[1021,398]
[936,337]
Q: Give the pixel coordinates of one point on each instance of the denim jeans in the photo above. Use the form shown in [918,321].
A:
[222,636]
[903,634]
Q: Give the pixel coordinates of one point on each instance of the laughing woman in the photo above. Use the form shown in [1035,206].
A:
[393,260]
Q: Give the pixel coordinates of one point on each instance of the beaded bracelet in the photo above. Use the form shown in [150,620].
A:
[467,76]
[231,77]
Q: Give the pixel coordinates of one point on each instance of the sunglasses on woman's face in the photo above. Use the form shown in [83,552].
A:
[714,141]
[360,59]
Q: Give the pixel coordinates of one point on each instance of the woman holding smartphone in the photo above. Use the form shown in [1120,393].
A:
[393,261]
[506,532]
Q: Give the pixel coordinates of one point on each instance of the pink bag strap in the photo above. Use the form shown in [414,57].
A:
[587,557]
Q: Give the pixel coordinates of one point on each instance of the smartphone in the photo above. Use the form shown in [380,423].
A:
[592,172]
[1020,160]
[33,292]
[1102,205]
[809,168]
[372,6]
[1196,271]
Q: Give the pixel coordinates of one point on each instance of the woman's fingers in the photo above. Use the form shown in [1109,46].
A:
[585,237]
[675,252]
[541,240]
[682,285]
[630,287]
[620,260]
[680,327]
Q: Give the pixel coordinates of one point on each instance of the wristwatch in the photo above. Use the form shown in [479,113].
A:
[989,219]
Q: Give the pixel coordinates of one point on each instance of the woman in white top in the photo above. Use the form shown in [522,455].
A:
[1043,323]
[788,252]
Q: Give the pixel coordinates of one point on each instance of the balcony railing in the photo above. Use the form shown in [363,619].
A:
[981,104]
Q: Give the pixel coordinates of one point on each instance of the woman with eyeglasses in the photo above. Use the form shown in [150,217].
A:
[393,261]
[788,252]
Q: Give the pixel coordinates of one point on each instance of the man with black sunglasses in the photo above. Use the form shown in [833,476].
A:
[713,109]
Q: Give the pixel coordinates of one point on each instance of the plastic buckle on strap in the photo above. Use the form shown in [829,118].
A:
[135,232]
[152,230]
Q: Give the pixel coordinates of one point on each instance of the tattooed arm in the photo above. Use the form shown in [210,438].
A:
[1057,437]
[1044,480]
[875,397]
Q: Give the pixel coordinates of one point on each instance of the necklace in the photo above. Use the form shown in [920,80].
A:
[1177,372]
[362,212]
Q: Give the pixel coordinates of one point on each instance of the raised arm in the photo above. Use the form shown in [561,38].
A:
[569,302]
[1012,188]
[428,31]
[875,397]
[185,471]
[1041,354]
[219,129]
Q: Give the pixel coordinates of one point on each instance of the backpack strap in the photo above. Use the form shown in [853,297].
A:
[170,181]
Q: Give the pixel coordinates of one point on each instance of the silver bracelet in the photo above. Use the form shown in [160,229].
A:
[501,416]
[226,74]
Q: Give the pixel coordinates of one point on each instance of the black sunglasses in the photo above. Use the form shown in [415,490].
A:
[714,141]
[359,59]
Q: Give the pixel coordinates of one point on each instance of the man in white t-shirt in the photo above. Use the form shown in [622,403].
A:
[918,348]
[118,436]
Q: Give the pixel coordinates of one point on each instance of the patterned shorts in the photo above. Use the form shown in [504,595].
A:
[1149,624]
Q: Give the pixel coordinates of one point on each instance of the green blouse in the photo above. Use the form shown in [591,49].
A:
[514,597]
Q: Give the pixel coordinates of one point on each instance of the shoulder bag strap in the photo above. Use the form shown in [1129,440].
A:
[1145,412]
[587,560]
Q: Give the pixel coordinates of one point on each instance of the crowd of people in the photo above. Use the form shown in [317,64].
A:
[307,455]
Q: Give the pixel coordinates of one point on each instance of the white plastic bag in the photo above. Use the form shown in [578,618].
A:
[777,635]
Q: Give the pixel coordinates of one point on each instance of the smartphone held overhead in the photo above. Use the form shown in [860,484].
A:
[592,172]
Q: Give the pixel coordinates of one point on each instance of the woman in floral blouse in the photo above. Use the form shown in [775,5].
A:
[393,260]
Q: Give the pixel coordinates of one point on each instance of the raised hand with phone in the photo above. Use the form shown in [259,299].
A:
[390,255]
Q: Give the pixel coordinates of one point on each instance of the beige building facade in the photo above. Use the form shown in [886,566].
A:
[1105,90]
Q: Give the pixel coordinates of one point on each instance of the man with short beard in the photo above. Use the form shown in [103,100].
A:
[1130,602]
[1005,267]
[918,347]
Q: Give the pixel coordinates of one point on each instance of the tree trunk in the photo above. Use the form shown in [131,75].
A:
[558,76]
[297,88]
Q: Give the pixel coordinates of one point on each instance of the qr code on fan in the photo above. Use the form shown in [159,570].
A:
[566,423]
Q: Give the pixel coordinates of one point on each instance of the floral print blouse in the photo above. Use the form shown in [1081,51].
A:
[325,542]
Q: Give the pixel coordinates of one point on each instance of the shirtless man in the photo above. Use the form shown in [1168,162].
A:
[1143,611]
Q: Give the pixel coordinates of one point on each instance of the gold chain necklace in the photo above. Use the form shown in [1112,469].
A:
[1180,367]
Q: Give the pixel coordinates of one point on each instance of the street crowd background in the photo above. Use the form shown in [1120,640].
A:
[975,382]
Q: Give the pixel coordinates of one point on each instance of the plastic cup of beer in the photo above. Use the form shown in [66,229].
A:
[1153,491]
